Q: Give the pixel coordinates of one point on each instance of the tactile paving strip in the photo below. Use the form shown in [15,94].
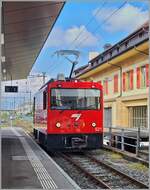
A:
[45,179]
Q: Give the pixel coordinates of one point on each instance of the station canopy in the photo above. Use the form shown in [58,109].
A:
[26,26]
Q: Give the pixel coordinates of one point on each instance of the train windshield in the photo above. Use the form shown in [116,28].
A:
[75,99]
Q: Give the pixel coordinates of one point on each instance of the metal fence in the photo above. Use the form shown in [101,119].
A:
[126,138]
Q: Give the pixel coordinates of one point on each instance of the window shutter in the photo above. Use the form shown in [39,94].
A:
[138,76]
[131,80]
[115,83]
[124,81]
[147,75]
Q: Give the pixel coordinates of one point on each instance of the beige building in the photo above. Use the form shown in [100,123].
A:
[123,70]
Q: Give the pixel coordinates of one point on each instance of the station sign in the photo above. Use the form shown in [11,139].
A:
[11,88]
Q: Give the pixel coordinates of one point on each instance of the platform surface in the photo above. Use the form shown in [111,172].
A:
[25,165]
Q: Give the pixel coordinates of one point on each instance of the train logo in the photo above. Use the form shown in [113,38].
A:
[77,116]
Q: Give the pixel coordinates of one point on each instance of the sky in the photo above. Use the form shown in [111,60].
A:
[26,91]
[87,26]
[84,26]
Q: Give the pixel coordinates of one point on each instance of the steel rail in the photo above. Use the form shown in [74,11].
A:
[140,184]
[106,167]
[98,181]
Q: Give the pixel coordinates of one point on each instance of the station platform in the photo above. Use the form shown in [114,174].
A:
[26,166]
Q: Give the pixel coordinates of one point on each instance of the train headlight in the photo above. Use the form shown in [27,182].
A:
[58,125]
[93,124]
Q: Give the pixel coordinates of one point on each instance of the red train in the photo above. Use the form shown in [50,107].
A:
[68,115]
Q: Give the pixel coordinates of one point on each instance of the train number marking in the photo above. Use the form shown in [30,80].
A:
[77,116]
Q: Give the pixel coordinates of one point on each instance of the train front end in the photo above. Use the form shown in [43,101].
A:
[75,115]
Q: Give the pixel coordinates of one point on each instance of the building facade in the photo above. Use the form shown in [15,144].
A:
[123,70]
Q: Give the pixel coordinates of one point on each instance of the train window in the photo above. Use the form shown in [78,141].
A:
[75,99]
[44,100]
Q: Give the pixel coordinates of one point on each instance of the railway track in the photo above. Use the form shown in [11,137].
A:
[143,156]
[101,173]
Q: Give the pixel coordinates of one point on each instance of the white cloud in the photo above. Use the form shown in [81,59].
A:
[128,18]
[60,37]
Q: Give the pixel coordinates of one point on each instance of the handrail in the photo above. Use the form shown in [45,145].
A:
[122,134]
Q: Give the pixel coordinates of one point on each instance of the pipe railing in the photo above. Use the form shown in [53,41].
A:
[116,136]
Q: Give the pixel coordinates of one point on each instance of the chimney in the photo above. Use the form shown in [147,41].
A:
[92,55]
[107,46]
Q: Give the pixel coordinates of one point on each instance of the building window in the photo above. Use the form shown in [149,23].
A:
[115,83]
[128,80]
[142,76]
[92,64]
[118,49]
[99,61]
[110,53]
[126,44]
[140,34]
[138,116]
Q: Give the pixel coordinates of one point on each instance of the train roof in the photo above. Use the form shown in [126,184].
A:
[65,80]
[55,80]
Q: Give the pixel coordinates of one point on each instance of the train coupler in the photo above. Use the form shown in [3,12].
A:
[77,142]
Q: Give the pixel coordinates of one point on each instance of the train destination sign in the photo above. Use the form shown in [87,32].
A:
[11,88]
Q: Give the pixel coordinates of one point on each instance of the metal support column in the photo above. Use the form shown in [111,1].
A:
[0,92]
[122,139]
[110,135]
[138,141]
